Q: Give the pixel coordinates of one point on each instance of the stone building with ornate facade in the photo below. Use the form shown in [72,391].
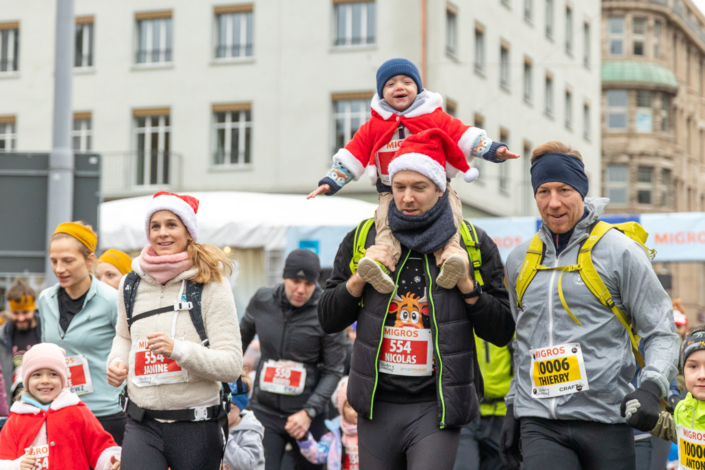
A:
[653,120]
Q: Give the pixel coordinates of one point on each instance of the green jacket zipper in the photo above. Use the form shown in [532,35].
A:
[438,350]
[381,336]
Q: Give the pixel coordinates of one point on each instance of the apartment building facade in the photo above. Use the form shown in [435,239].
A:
[653,123]
[257,96]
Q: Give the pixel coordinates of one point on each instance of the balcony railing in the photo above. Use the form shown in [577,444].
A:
[140,172]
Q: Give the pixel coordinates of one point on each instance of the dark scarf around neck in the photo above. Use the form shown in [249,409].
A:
[424,233]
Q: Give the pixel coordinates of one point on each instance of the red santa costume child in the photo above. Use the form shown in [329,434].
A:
[402,108]
[49,427]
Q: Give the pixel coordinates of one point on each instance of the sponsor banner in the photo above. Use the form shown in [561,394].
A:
[676,237]
[508,232]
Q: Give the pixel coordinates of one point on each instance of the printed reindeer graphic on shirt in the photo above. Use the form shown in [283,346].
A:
[410,310]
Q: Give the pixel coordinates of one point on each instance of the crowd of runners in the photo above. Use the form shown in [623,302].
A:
[422,350]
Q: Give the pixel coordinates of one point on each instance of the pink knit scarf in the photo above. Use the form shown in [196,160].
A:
[166,267]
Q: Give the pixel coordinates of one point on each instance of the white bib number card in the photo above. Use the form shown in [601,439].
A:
[691,449]
[406,351]
[155,369]
[283,377]
[557,370]
[42,455]
[79,374]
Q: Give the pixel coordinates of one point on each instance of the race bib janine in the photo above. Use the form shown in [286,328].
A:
[691,449]
[557,370]
[155,369]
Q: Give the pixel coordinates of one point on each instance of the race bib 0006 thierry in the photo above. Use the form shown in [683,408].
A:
[557,370]
[155,369]
[283,377]
[691,449]
[42,455]
[406,351]
[79,374]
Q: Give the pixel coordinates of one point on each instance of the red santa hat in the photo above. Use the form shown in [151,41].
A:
[433,154]
[185,207]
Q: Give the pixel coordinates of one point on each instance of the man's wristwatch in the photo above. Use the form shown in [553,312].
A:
[473,293]
[311,412]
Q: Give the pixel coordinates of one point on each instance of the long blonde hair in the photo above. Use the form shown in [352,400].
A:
[210,261]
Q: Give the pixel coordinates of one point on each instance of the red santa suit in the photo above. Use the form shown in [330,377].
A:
[66,437]
[376,141]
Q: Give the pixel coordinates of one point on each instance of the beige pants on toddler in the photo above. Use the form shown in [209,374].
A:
[384,234]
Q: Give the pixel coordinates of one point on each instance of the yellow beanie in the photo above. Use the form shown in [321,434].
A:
[117,258]
[80,232]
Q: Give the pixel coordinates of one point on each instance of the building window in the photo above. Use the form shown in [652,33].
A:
[548,100]
[617,186]
[83,57]
[504,168]
[233,134]
[152,136]
[507,3]
[617,109]
[7,133]
[645,185]
[504,66]
[688,128]
[586,44]
[665,112]
[349,115]
[528,10]
[154,38]
[549,19]
[235,31]
[644,111]
[638,36]
[451,107]
[586,121]
[687,65]
[355,24]
[479,163]
[9,47]
[451,30]
[615,33]
[479,49]
[657,39]
[528,82]
[666,187]
[568,109]
[82,133]
[569,30]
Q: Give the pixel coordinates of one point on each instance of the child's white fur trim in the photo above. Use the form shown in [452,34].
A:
[348,160]
[431,102]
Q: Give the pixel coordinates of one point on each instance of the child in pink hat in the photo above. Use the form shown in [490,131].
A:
[47,408]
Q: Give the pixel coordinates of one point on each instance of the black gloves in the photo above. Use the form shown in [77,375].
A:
[641,407]
[509,448]
[673,400]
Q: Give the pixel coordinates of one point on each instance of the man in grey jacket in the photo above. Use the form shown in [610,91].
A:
[573,356]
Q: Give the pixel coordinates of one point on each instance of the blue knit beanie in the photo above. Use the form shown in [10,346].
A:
[394,67]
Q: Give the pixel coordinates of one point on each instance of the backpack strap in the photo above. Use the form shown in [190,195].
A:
[359,250]
[529,267]
[194,292]
[470,239]
[592,280]
[129,292]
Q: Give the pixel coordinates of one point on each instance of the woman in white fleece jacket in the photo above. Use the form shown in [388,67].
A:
[169,372]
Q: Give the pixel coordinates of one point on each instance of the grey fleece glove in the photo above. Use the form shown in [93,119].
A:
[641,407]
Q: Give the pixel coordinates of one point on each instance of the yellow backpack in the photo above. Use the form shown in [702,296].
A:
[588,273]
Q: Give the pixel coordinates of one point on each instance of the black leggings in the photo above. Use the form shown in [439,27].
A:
[276,438]
[183,445]
[406,436]
[115,425]
[576,444]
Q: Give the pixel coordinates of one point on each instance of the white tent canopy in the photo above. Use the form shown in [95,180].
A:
[236,219]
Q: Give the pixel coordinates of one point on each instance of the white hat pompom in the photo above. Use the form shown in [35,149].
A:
[471,175]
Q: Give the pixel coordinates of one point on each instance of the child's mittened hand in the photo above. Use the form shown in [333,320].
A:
[28,460]
[504,154]
[114,463]
[322,189]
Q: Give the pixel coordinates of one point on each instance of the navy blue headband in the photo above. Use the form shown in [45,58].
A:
[559,168]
